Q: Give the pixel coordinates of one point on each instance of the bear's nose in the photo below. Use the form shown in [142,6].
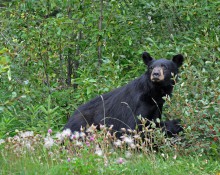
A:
[156,74]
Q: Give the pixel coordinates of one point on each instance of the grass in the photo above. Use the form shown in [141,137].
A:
[137,164]
[97,153]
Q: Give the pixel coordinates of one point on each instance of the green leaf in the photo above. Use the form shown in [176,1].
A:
[3,60]
[14,94]
[188,18]
[9,74]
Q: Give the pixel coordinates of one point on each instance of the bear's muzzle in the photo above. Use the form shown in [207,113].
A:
[157,74]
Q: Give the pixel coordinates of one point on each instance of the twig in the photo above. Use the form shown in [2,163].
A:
[103,106]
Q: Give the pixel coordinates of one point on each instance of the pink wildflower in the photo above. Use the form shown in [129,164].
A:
[49,131]
[92,138]
[87,143]
[120,160]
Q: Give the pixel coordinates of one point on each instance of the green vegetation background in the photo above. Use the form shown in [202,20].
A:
[55,55]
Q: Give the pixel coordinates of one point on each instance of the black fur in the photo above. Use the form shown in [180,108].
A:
[141,96]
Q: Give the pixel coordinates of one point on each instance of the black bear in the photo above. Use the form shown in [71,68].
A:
[142,96]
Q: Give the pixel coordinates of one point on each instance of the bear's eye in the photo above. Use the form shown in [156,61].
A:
[164,67]
[151,68]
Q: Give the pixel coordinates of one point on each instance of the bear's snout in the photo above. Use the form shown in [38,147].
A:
[157,74]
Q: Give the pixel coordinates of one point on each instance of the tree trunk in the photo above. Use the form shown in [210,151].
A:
[100,36]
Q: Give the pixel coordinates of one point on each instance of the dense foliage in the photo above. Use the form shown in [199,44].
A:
[55,55]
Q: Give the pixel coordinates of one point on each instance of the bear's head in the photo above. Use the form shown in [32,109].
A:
[162,71]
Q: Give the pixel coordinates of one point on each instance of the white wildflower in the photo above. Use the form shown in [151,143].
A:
[128,140]
[128,154]
[2,141]
[123,129]
[9,139]
[133,146]
[66,133]
[108,135]
[59,136]
[28,145]
[130,130]
[27,134]
[111,126]
[118,143]
[79,144]
[82,135]
[16,138]
[91,129]
[26,82]
[98,151]
[48,142]
[137,137]
[51,153]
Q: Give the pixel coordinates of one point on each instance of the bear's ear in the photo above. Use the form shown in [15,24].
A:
[178,59]
[146,58]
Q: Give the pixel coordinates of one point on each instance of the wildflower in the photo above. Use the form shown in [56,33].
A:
[137,137]
[28,145]
[75,136]
[91,129]
[59,136]
[128,154]
[128,140]
[27,134]
[17,138]
[133,146]
[82,129]
[130,130]
[174,157]
[118,143]
[9,139]
[82,135]
[68,160]
[78,143]
[49,131]
[147,140]
[66,133]
[102,127]
[26,82]
[48,142]
[110,128]
[123,129]
[98,151]
[120,160]
[92,138]
[50,153]
[108,135]
[87,143]
[2,141]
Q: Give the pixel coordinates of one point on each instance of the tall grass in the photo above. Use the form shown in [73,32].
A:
[97,152]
